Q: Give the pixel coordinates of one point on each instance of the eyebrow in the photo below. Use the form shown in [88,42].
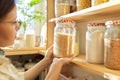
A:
[14,18]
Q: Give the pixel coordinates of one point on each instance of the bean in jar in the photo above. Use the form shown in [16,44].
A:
[64,39]
[112,44]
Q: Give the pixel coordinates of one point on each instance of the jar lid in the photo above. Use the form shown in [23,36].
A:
[112,22]
[96,24]
[66,21]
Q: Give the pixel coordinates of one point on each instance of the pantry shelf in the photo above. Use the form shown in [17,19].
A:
[99,69]
[24,51]
[102,11]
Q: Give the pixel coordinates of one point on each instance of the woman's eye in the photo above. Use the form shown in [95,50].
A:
[14,22]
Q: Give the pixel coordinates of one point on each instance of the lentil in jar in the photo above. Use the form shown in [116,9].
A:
[112,44]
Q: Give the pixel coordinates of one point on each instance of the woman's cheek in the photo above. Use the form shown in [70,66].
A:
[11,36]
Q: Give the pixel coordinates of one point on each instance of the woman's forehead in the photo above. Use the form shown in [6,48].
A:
[11,15]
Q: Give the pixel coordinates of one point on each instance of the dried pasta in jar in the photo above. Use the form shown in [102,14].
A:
[97,2]
[82,4]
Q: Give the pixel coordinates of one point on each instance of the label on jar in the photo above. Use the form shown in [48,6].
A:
[62,44]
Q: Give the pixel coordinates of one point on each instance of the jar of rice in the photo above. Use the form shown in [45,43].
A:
[64,39]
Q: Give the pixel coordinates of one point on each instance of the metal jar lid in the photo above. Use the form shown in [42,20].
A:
[66,21]
[96,24]
[114,22]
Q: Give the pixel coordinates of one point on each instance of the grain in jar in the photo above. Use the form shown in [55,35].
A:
[112,44]
[62,7]
[64,39]
[95,43]
[97,2]
[82,4]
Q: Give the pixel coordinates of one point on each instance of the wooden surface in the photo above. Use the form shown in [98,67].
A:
[50,25]
[24,51]
[99,69]
[103,11]
[100,12]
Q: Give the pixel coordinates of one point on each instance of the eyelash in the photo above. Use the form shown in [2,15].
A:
[14,22]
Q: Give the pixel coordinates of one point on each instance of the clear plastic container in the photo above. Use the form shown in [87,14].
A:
[82,4]
[112,44]
[62,7]
[95,43]
[97,2]
[64,39]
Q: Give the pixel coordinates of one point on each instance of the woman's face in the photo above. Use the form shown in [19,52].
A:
[8,28]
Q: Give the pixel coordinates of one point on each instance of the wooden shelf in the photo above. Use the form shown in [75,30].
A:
[103,11]
[24,51]
[99,69]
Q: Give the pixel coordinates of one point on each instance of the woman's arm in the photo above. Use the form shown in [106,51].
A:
[56,67]
[32,73]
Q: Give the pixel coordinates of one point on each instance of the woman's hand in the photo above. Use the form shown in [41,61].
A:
[49,54]
[56,66]
[62,61]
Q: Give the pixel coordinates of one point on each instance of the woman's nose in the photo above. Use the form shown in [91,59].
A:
[17,26]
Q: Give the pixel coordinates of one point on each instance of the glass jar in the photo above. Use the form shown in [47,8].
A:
[62,7]
[112,44]
[97,2]
[95,43]
[82,4]
[30,37]
[72,6]
[64,39]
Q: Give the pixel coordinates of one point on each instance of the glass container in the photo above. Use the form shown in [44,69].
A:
[82,4]
[62,7]
[95,43]
[97,2]
[64,38]
[112,44]
[30,37]
[72,6]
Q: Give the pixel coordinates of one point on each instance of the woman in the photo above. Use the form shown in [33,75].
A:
[8,29]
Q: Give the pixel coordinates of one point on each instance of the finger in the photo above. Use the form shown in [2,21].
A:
[50,49]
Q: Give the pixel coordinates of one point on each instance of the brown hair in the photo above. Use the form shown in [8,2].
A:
[5,7]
